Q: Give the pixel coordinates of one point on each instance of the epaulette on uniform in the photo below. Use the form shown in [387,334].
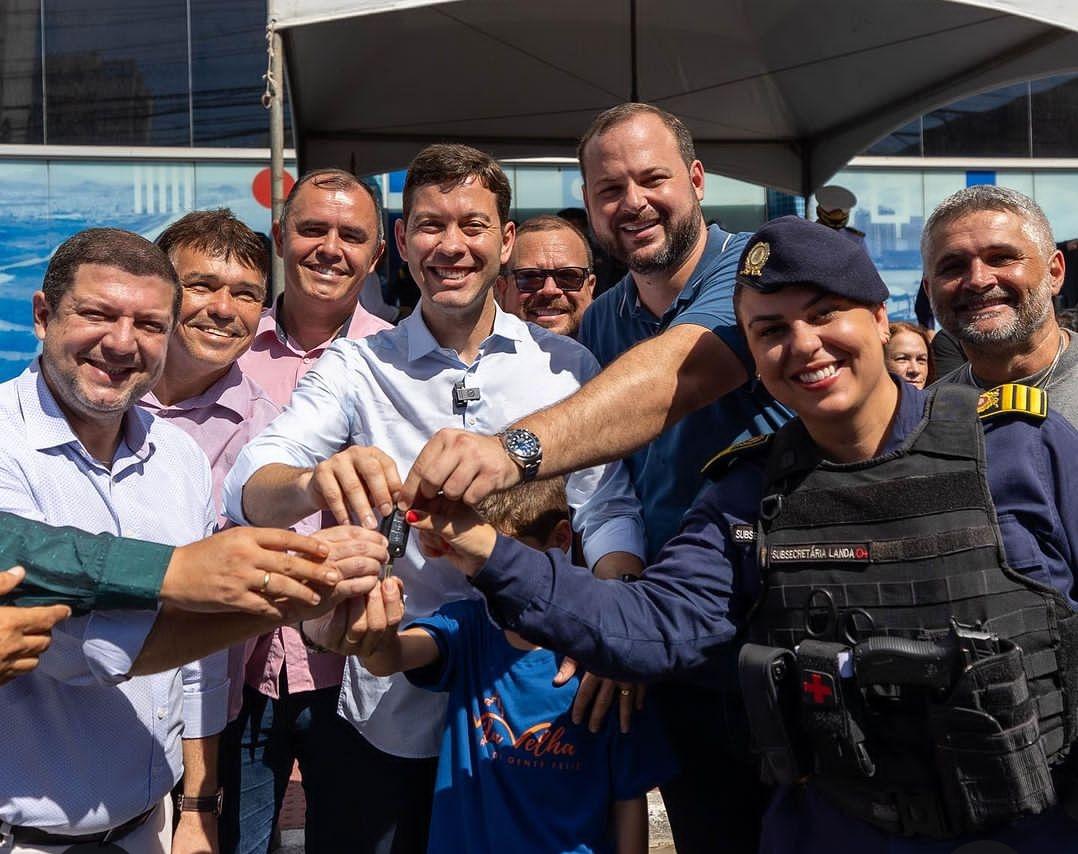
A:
[719,464]
[1013,399]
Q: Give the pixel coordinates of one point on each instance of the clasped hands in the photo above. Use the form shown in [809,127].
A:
[455,469]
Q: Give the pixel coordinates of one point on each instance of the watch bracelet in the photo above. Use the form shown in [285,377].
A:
[200,803]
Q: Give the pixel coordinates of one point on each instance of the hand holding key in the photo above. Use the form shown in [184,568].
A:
[360,625]
[395,529]
[354,482]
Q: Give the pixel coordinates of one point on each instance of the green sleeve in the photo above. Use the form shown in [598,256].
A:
[85,571]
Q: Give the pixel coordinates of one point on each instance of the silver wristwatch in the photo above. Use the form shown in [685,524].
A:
[524,449]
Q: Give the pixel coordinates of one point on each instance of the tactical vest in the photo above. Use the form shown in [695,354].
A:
[906,548]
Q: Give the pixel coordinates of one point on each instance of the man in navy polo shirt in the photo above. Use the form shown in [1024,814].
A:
[644,186]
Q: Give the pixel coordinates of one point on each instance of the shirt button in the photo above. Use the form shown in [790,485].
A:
[161,712]
[472,422]
[306,360]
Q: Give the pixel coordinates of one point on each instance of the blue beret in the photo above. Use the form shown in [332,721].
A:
[793,251]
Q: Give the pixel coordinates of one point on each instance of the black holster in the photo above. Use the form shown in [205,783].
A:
[768,677]
[991,760]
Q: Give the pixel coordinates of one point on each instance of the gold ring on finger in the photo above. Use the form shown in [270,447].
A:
[625,692]
[265,583]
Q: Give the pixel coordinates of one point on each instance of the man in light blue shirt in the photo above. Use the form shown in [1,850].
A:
[89,750]
[676,382]
[364,412]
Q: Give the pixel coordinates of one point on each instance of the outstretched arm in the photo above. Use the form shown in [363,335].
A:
[225,572]
[179,636]
[675,618]
[659,382]
[348,484]
[234,569]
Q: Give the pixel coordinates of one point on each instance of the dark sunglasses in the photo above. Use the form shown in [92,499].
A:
[529,280]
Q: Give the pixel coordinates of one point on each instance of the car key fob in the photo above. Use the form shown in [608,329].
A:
[395,529]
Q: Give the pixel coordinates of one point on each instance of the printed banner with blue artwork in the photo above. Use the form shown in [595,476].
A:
[43,202]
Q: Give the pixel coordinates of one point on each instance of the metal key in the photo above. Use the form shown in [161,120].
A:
[394,528]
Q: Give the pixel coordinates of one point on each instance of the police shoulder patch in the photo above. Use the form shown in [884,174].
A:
[1013,399]
[719,464]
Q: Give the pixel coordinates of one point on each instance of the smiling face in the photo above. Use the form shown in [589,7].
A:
[643,200]
[819,354]
[907,356]
[557,310]
[104,344]
[454,243]
[328,243]
[989,280]
[222,302]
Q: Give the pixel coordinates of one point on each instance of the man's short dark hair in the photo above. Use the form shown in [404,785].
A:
[549,222]
[622,113]
[528,509]
[109,247]
[334,179]
[219,234]
[449,166]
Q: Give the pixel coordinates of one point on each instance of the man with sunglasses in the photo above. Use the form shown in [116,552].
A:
[550,278]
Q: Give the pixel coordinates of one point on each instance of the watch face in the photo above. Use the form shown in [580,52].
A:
[522,443]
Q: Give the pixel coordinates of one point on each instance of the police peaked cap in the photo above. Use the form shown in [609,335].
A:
[835,198]
[793,251]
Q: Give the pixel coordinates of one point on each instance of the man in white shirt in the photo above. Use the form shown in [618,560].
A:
[94,753]
[366,410]
[98,753]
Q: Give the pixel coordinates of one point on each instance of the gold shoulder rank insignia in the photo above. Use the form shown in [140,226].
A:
[725,458]
[1013,398]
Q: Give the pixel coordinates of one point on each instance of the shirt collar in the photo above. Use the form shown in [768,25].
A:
[717,241]
[232,391]
[911,411]
[507,330]
[48,427]
[267,322]
[271,321]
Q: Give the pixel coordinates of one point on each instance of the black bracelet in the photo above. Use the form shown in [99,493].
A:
[307,642]
[205,803]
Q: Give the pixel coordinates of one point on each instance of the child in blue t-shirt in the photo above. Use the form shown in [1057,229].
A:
[515,773]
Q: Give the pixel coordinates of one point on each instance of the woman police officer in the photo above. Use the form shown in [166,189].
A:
[914,547]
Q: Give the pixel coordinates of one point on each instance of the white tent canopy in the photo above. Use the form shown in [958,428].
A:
[778,92]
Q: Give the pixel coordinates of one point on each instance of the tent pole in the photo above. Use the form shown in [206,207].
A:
[806,176]
[275,85]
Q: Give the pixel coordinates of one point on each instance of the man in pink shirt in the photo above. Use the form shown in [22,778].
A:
[330,237]
[222,266]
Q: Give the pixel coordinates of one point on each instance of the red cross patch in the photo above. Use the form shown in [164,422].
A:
[817,689]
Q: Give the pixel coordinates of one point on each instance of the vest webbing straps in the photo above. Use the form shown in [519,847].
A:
[903,546]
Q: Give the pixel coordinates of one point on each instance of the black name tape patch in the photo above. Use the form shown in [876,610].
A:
[743,533]
[813,552]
